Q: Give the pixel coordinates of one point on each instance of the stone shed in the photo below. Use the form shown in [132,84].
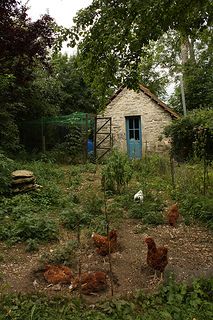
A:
[138,120]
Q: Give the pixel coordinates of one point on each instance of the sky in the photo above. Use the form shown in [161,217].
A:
[63,11]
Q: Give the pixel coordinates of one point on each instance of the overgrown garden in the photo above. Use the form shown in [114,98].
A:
[53,223]
[39,217]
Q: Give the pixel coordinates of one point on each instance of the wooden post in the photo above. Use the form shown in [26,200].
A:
[172,170]
[109,254]
[95,137]
[79,259]
[86,138]
[43,142]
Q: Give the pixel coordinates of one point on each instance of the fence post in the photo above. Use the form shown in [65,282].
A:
[43,142]
[172,170]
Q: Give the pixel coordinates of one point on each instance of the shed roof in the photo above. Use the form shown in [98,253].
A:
[152,96]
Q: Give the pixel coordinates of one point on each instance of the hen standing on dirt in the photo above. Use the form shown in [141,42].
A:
[173,215]
[103,244]
[156,257]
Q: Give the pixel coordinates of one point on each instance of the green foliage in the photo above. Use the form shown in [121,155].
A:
[197,71]
[74,94]
[24,44]
[32,245]
[29,227]
[49,195]
[111,54]
[93,204]
[64,254]
[74,217]
[117,172]
[173,301]
[185,131]
[74,143]
[195,207]
[150,211]
[6,167]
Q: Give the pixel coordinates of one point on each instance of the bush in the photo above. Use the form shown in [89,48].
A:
[185,131]
[29,227]
[73,217]
[65,254]
[173,301]
[150,211]
[117,172]
[6,167]
[197,207]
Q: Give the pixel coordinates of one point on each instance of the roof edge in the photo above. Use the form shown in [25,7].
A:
[151,95]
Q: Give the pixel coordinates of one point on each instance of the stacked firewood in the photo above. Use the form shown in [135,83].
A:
[23,181]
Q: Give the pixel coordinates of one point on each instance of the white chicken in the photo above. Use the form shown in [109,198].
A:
[139,196]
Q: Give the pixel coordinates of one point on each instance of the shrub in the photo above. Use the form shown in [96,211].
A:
[93,204]
[117,172]
[29,227]
[197,207]
[65,254]
[73,217]
[184,133]
[6,167]
[150,211]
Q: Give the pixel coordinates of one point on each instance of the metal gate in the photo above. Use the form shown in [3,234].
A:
[103,136]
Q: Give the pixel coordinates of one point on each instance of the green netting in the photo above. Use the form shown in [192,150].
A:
[48,132]
[83,119]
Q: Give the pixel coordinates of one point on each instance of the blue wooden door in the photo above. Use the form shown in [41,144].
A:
[134,138]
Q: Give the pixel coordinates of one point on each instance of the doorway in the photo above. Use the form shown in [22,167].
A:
[134,137]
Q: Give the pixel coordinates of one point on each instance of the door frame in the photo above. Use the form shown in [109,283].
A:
[127,134]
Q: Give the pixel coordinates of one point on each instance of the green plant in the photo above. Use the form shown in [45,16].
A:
[64,254]
[184,134]
[173,301]
[49,195]
[40,228]
[32,245]
[150,211]
[74,217]
[93,204]
[198,208]
[117,172]
[6,167]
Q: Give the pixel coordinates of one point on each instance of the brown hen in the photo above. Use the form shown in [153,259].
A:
[91,282]
[58,274]
[156,257]
[173,215]
[104,246]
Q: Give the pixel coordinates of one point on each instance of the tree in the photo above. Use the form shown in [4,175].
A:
[75,94]
[197,72]
[112,34]
[23,44]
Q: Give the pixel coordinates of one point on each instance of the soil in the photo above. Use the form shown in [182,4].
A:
[190,253]
[190,256]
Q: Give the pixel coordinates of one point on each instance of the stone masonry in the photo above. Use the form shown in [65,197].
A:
[153,119]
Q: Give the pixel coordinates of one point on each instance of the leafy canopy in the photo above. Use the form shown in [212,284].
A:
[112,34]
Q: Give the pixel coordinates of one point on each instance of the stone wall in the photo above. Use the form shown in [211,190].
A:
[153,119]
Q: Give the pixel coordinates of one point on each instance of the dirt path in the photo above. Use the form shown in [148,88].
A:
[190,255]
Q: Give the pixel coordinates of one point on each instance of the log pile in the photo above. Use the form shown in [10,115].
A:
[23,181]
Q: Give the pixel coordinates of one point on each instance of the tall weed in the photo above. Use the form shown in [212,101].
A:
[117,172]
